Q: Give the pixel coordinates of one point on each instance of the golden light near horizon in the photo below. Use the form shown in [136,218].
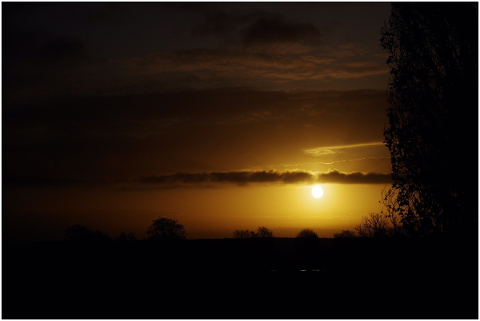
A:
[317,191]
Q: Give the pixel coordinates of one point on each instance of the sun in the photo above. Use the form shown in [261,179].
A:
[317,191]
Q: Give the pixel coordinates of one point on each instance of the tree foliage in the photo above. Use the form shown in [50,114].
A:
[391,208]
[373,225]
[126,237]
[262,232]
[166,229]
[241,234]
[433,110]
[307,234]
[344,234]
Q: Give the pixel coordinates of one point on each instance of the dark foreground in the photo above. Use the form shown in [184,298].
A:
[242,279]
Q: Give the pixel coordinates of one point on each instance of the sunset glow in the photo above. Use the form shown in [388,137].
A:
[220,135]
[236,160]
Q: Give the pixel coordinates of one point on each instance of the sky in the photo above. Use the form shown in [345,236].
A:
[219,115]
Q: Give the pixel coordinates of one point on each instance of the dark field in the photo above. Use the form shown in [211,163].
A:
[242,279]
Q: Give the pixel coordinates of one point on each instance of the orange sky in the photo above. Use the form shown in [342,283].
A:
[219,115]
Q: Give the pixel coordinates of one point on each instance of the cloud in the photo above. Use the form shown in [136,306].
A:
[64,66]
[354,178]
[233,45]
[272,64]
[337,161]
[133,135]
[205,179]
[257,28]
[232,59]
[321,151]
[246,177]
[238,177]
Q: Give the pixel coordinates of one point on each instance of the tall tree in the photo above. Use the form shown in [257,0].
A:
[432,130]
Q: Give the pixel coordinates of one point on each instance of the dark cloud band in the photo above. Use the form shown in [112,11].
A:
[245,177]
[240,177]
[354,178]
[178,180]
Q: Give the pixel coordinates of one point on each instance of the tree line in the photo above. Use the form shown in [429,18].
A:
[163,228]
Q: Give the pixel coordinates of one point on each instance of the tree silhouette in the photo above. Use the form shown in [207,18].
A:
[126,237]
[263,232]
[433,110]
[344,234]
[373,225]
[242,234]
[80,233]
[307,234]
[389,200]
[166,229]
[306,240]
